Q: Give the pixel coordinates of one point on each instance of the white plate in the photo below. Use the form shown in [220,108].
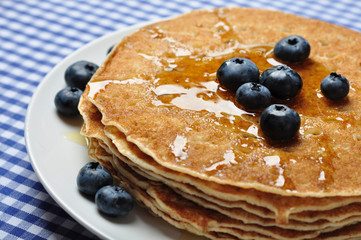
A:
[56,158]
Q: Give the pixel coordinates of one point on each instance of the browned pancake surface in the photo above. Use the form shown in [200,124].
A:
[159,87]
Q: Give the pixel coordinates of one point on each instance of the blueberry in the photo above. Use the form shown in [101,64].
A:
[92,177]
[335,86]
[292,49]
[282,81]
[237,71]
[79,73]
[253,95]
[67,100]
[114,201]
[279,122]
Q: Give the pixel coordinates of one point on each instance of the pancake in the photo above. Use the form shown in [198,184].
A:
[102,152]
[156,115]
[176,205]
[275,203]
[128,95]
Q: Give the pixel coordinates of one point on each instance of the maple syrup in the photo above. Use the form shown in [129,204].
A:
[188,82]
[76,137]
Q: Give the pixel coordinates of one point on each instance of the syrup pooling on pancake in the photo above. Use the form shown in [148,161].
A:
[133,110]
[189,82]
[96,86]
[185,83]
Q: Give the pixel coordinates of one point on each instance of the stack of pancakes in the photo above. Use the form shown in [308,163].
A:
[156,116]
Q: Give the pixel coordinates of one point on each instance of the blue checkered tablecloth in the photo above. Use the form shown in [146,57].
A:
[35,35]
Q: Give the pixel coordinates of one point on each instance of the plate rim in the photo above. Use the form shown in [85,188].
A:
[130,29]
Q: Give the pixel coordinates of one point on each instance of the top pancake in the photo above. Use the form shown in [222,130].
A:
[159,87]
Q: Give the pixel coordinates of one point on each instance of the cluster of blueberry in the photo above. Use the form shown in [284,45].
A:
[240,75]
[76,76]
[255,91]
[95,180]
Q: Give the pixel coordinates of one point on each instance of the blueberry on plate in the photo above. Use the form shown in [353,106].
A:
[335,86]
[253,95]
[79,73]
[282,81]
[279,122]
[237,71]
[114,201]
[67,100]
[292,49]
[93,176]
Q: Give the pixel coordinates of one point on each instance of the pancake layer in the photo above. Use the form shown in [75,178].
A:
[155,114]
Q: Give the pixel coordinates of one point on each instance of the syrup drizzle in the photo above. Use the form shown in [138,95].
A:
[76,137]
[188,81]
[274,161]
[229,159]
[179,147]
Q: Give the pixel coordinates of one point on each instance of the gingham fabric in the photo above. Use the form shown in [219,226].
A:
[35,35]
